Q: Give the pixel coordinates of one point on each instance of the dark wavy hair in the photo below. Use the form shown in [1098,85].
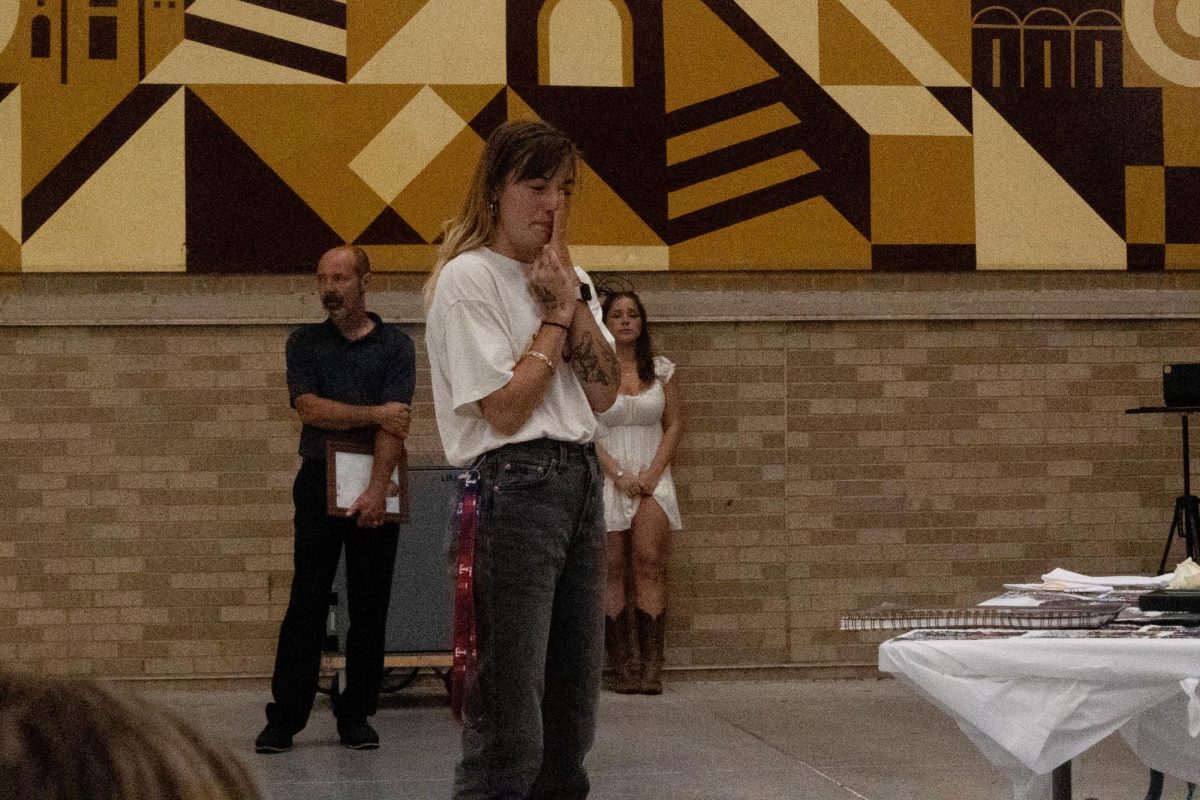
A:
[643,350]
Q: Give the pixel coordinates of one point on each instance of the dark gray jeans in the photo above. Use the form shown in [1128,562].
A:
[530,712]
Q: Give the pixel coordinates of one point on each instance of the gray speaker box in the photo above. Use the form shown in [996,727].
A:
[420,616]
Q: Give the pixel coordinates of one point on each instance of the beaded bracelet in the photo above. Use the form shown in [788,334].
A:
[542,357]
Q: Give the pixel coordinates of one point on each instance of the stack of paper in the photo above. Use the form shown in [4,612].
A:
[1063,580]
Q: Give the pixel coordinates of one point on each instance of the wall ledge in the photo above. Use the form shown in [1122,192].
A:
[113,299]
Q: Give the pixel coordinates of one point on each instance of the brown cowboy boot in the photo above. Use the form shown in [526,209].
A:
[610,647]
[623,668]
[650,640]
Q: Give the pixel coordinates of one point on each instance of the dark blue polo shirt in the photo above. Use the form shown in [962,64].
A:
[378,368]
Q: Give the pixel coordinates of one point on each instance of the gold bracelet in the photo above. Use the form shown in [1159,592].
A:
[542,357]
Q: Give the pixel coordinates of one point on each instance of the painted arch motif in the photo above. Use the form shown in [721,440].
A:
[249,135]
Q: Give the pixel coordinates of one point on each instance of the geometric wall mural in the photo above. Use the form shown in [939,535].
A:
[247,136]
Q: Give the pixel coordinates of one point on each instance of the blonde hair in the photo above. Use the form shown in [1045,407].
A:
[64,739]
[518,151]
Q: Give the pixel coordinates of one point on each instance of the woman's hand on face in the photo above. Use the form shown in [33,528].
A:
[554,286]
[552,279]
[559,239]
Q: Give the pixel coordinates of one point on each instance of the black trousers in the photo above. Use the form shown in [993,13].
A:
[370,560]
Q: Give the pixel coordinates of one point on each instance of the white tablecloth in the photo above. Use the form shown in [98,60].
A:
[1031,704]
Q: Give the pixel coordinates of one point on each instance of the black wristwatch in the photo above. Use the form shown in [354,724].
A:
[585,293]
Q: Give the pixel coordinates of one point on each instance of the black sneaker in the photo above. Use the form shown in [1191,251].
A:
[358,735]
[274,739]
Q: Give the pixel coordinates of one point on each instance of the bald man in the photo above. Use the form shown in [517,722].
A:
[352,375]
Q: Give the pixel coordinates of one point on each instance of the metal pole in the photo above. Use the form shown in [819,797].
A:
[1187,462]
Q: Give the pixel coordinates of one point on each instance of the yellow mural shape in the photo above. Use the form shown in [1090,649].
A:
[600,217]
[309,136]
[196,63]
[1183,256]
[921,190]
[851,55]
[1181,134]
[811,235]
[519,109]
[468,101]
[727,132]
[10,164]
[904,42]
[794,26]
[437,192]
[941,25]
[10,253]
[1144,34]
[370,24]
[401,257]
[897,110]
[9,14]
[407,144]
[129,216]
[585,43]
[1178,22]
[1027,216]
[55,118]
[268,22]
[1145,205]
[621,258]
[739,183]
[447,41]
[703,59]
[399,137]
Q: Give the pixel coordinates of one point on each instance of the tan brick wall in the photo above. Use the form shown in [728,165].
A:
[828,467]
[145,474]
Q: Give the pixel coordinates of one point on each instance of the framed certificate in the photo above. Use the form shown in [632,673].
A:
[348,472]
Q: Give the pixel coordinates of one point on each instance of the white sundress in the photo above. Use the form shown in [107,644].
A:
[631,432]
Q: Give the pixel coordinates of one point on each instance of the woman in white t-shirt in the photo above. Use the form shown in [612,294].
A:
[642,431]
[519,363]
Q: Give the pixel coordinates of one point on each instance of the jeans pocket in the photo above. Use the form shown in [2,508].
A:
[513,474]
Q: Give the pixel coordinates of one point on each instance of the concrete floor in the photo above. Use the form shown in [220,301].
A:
[738,740]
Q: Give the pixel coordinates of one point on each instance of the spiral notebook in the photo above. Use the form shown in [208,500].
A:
[1089,615]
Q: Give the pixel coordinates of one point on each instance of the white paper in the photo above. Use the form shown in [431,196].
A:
[1066,576]
[1061,586]
[1024,601]
[352,474]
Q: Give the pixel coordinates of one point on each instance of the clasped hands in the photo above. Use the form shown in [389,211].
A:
[552,279]
[637,485]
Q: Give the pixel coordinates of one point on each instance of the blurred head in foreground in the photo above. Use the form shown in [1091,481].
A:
[76,739]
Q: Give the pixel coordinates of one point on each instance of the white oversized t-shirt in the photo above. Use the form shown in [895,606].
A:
[480,323]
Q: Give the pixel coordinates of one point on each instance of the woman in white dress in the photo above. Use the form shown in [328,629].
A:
[638,440]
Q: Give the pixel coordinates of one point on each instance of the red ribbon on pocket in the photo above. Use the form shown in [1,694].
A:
[466,649]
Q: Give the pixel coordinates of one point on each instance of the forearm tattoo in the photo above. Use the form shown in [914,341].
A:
[544,296]
[594,364]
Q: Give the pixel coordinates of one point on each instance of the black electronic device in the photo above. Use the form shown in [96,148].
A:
[1184,600]
[1181,385]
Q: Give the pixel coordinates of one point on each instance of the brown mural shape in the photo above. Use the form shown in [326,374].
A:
[703,124]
